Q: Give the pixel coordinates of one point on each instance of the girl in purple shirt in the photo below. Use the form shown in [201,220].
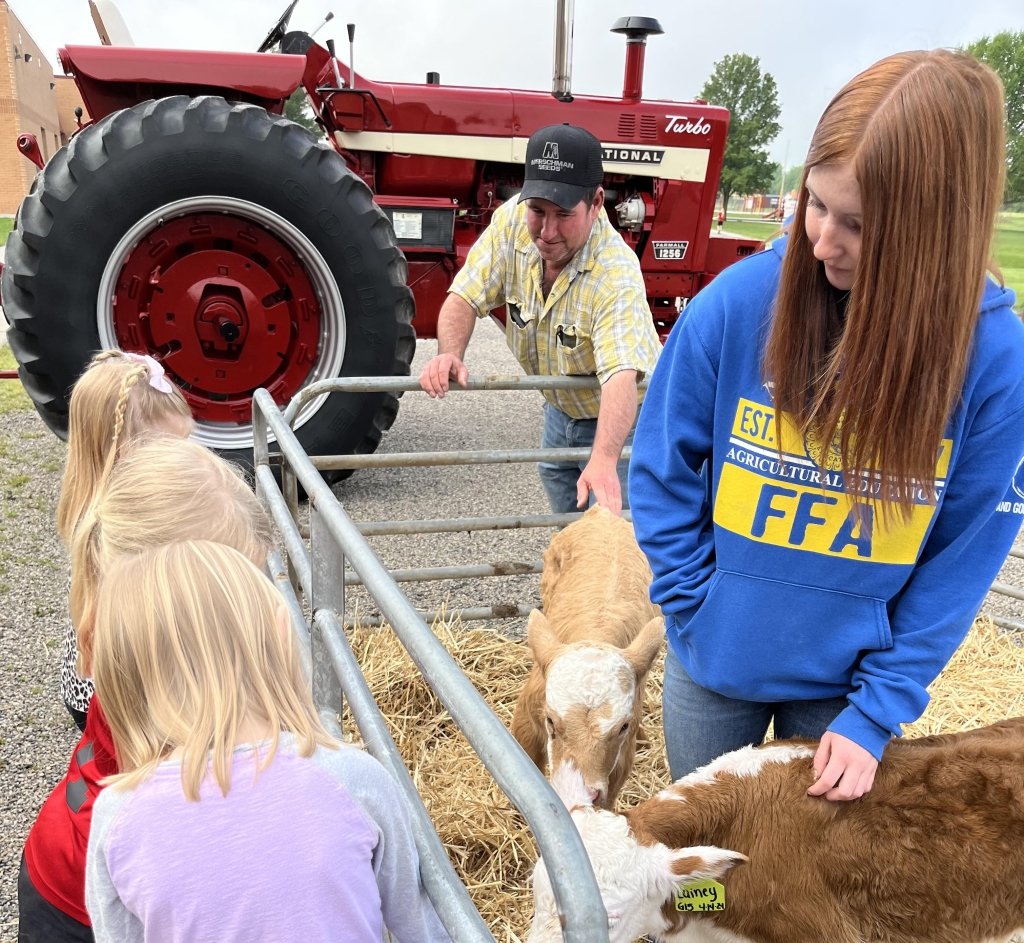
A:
[235,817]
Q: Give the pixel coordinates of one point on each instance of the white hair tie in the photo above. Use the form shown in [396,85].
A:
[157,378]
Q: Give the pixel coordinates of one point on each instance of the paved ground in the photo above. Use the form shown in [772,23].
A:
[462,420]
[36,735]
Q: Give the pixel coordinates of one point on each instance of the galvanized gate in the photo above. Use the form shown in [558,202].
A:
[319,572]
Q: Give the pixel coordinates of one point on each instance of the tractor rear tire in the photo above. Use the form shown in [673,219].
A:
[198,158]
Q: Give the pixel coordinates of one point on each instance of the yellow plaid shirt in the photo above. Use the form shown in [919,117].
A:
[594,322]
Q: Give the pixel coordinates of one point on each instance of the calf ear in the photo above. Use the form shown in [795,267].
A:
[703,862]
[645,647]
[543,642]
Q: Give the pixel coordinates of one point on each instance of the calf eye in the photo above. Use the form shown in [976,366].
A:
[624,727]
[551,725]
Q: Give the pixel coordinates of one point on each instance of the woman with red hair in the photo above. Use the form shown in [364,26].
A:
[823,474]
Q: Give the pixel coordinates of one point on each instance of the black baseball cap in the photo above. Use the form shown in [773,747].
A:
[563,162]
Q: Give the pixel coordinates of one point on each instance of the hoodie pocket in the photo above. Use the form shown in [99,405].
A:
[767,640]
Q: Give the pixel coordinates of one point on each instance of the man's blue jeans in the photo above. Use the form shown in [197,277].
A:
[700,725]
[560,478]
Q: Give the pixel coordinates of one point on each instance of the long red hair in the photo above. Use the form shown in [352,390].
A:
[924,133]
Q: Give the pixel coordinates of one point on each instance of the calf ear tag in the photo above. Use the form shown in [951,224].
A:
[701,897]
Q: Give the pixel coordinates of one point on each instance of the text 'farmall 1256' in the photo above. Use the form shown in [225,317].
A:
[190,220]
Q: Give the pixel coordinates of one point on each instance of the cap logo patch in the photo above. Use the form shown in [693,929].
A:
[550,150]
[552,165]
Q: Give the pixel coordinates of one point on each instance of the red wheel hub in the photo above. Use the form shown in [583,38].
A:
[226,306]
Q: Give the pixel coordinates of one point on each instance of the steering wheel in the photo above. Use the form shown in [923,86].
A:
[276,34]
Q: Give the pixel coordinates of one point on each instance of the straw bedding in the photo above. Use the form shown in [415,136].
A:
[488,841]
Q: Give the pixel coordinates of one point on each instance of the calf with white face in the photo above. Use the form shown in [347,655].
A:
[635,880]
[933,854]
[583,705]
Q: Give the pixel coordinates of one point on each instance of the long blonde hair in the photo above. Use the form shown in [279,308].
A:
[162,490]
[924,134]
[188,647]
[112,404]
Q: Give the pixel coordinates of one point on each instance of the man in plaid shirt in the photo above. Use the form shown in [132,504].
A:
[576,306]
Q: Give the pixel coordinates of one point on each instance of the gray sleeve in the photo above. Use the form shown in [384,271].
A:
[112,922]
[407,910]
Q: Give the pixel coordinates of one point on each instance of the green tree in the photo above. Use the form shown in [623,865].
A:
[751,96]
[1004,52]
[297,109]
[793,176]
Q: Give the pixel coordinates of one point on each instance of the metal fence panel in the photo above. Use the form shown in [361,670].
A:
[572,878]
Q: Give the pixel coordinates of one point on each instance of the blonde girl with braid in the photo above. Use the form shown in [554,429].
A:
[159,491]
[120,398]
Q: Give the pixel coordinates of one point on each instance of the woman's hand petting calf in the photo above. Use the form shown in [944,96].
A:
[843,770]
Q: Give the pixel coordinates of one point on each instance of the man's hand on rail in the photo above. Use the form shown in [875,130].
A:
[454,329]
[437,372]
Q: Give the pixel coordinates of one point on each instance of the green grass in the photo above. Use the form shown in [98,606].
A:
[6,225]
[1009,253]
[1008,247]
[12,395]
[750,228]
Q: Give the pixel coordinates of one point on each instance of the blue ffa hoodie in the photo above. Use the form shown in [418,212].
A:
[771,588]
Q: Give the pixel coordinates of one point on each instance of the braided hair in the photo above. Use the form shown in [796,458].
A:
[112,404]
[134,374]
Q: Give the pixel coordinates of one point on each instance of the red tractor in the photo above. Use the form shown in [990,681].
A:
[190,220]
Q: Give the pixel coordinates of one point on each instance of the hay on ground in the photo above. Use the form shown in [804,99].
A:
[488,841]
[983,683]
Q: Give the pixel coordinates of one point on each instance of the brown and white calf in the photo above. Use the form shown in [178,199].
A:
[934,852]
[592,649]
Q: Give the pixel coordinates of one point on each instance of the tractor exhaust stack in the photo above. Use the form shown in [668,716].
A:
[561,81]
[636,30]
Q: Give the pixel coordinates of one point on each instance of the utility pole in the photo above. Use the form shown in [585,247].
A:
[782,179]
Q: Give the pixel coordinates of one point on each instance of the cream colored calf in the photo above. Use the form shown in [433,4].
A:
[592,648]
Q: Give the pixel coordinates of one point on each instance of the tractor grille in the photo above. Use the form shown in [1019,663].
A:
[648,127]
[627,125]
[422,227]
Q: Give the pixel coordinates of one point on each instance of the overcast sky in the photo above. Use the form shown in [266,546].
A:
[811,46]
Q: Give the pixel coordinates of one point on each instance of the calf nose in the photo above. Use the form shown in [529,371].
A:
[594,795]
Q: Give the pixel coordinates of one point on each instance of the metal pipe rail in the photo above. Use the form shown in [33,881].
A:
[1005,589]
[426,574]
[409,384]
[455,525]
[336,539]
[504,610]
[465,457]
[450,898]
[266,486]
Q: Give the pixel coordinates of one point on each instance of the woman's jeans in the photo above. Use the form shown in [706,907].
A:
[561,478]
[700,725]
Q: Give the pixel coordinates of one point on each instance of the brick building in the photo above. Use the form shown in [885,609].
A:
[32,100]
